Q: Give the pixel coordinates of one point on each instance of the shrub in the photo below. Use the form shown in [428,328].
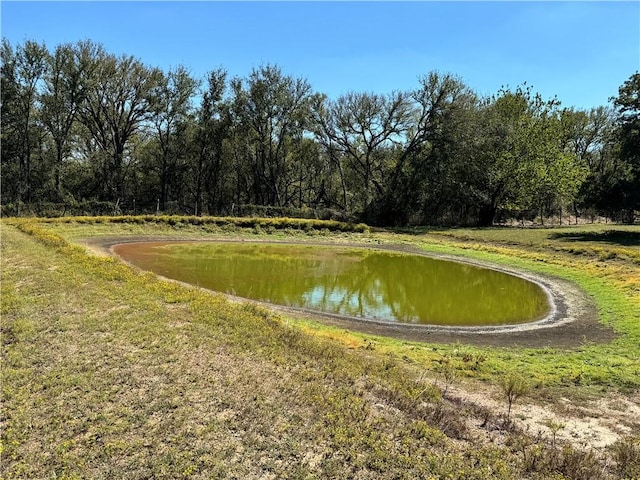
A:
[514,386]
[626,453]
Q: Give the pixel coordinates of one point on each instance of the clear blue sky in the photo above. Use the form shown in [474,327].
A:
[580,51]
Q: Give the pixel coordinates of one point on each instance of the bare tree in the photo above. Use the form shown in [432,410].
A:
[362,128]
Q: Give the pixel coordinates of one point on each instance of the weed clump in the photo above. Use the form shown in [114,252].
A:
[540,459]
[626,453]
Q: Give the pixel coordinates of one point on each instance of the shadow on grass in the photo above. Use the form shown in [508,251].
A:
[615,237]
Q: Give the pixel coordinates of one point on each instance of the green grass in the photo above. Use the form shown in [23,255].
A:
[109,372]
[612,282]
[607,241]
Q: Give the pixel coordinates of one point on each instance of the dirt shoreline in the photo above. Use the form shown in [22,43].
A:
[572,322]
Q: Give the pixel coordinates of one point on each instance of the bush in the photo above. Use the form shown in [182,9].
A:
[257,224]
[56,210]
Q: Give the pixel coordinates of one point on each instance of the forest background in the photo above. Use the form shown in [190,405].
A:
[85,131]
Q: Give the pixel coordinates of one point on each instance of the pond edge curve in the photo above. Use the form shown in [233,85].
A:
[558,315]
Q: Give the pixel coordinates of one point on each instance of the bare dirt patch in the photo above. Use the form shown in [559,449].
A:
[594,423]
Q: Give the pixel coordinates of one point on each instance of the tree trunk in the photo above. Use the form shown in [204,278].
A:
[628,216]
[58,169]
[486,215]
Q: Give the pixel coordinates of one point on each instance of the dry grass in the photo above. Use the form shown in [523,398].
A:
[110,373]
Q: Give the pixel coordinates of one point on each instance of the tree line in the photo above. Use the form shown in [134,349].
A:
[84,129]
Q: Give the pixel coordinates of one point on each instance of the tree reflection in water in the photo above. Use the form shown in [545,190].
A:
[366,283]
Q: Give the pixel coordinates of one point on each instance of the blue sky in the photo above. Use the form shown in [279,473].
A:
[580,51]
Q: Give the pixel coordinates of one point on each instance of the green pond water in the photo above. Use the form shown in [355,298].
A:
[367,283]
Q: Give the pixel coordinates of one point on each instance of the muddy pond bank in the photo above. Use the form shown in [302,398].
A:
[572,323]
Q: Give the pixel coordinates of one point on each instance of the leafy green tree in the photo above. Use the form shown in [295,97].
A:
[271,114]
[502,166]
[556,173]
[521,163]
[627,105]
[65,88]
[22,72]
[169,110]
[116,106]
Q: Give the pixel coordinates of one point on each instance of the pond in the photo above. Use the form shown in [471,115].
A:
[366,283]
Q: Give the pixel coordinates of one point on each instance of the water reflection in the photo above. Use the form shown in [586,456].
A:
[366,283]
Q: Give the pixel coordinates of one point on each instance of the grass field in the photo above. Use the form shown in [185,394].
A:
[108,372]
